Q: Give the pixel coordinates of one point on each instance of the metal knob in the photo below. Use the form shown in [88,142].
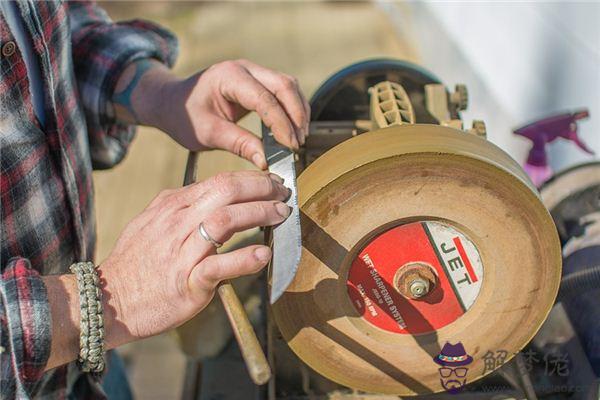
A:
[460,97]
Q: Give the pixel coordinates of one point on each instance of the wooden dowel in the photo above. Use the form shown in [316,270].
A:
[252,352]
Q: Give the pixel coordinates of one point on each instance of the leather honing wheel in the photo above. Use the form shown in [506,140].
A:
[408,198]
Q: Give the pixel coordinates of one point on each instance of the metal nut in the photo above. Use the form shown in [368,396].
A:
[415,280]
[419,287]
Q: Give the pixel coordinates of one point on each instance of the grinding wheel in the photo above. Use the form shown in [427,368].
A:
[424,201]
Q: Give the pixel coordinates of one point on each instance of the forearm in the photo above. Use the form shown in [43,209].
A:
[64,308]
[63,296]
[143,92]
[201,112]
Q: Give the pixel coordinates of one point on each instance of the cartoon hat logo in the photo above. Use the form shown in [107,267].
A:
[453,371]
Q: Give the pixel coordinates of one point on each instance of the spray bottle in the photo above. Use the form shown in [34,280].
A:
[545,131]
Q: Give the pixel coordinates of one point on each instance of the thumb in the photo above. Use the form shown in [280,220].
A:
[242,142]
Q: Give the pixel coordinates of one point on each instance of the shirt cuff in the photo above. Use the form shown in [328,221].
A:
[26,328]
[100,56]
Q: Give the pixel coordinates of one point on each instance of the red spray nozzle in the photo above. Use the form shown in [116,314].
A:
[549,129]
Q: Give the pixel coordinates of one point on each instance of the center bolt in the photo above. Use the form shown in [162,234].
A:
[419,287]
[415,280]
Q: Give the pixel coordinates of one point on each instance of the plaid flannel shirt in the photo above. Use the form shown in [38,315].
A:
[46,194]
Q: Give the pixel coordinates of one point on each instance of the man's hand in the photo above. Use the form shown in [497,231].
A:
[201,112]
[162,272]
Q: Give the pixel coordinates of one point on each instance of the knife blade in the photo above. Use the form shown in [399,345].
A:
[287,239]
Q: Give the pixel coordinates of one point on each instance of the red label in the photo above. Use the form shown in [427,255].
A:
[371,277]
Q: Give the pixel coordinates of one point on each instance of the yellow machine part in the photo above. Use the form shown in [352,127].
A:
[394,177]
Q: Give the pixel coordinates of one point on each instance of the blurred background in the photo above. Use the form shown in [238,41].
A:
[520,61]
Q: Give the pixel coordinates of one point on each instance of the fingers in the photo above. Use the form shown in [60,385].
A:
[225,189]
[286,90]
[224,181]
[216,268]
[225,221]
[242,88]
[241,142]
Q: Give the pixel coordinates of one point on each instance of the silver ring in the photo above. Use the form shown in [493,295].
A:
[207,237]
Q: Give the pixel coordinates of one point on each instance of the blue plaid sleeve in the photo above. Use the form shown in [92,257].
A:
[101,50]
[25,329]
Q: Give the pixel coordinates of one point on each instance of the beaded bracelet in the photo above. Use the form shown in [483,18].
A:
[91,339]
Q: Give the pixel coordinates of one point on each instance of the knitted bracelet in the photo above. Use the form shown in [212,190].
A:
[91,339]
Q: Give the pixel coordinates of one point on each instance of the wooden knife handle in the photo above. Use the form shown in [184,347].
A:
[250,347]
[252,352]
